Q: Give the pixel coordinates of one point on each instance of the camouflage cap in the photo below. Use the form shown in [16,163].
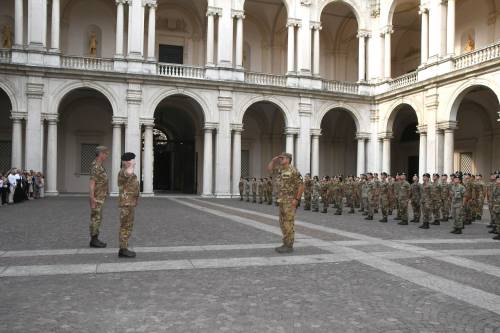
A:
[287,155]
[101,149]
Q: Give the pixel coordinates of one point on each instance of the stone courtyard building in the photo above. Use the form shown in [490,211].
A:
[207,90]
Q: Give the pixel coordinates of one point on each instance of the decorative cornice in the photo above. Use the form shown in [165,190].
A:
[214,11]
[50,117]
[119,120]
[238,14]
[362,136]
[237,127]
[385,136]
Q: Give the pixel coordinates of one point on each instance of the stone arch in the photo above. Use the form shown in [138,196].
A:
[351,4]
[9,91]
[273,100]
[59,95]
[356,116]
[159,97]
[390,117]
[462,90]
[287,4]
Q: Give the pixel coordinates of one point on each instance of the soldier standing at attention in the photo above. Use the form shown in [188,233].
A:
[338,195]
[403,197]
[489,188]
[98,190]
[254,190]
[364,194]
[290,191]
[457,197]
[128,185]
[324,193]
[307,191]
[495,199]
[445,197]
[247,189]
[349,193]
[384,196]
[469,194]
[480,191]
[370,196]
[241,187]
[392,200]
[260,189]
[316,188]
[436,199]
[270,191]
[426,201]
[395,189]
[415,199]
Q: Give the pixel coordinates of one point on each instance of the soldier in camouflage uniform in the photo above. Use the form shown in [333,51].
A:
[426,201]
[469,196]
[357,193]
[436,199]
[241,188]
[392,197]
[338,195]
[247,189]
[489,189]
[495,199]
[270,191]
[316,189]
[395,190]
[364,194]
[403,197]
[445,197]
[324,193]
[290,191]
[254,190]
[457,198]
[98,185]
[376,181]
[384,197]
[260,190]
[480,188]
[370,196]
[415,199]
[349,189]
[128,185]
[307,191]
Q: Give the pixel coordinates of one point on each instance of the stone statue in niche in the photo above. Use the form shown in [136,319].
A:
[93,44]
[6,37]
[470,45]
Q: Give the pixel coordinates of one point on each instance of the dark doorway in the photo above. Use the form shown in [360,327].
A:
[412,168]
[171,54]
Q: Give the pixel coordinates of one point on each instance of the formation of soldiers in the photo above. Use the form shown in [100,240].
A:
[459,197]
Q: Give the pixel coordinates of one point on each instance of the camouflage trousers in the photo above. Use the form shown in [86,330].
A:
[241,195]
[403,210]
[445,208]
[396,206]
[270,198]
[254,196]
[415,206]
[260,198]
[287,220]
[427,211]
[496,216]
[436,208]
[247,196]
[315,202]
[96,218]
[385,205]
[307,201]
[457,213]
[357,201]
[338,203]
[371,206]
[350,200]
[480,205]
[492,212]
[468,208]
[126,225]
[473,209]
[325,202]
[364,204]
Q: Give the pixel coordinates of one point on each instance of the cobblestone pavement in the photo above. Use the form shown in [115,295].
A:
[208,265]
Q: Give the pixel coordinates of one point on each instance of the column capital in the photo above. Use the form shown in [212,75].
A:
[237,128]
[362,33]
[18,116]
[291,130]
[238,14]
[50,117]
[422,129]
[118,121]
[293,22]
[316,26]
[362,136]
[316,132]
[423,9]
[305,3]
[385,135]
[214,11]
[121,2]
[448,125]
[386,30]
[151,4]
[147,122]
[210,126]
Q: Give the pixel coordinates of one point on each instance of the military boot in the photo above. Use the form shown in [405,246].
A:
[491,225]
[364,213]
[479,217]
[397,218]
[369,218]
[425,225]
[403,222]
[284,249]
[497,237]
[324,211]
[390,212]
[493,231]
[436,222]
[126,253]
[351,211]
[416,220]
[457,231]
[315,210]
[95,242]
[307,208]
[383,220]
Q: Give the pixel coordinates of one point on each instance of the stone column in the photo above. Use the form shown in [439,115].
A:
[148,156]
[208,160]
[315,134]
[116,153]
[17,139]
[211,13]
[439,150]
[449,146]
[386,152]
[37,24]
[302,154]
[422,153]
[223,145]
[19,23]
[290,137]
[291,46]
[42,143]
[450,28]
[237,129]
[119,27]
[34,93]
[133,128]
[387,52]
[51,174]
[360,164]
[424,47]
[136,29]
[152,31]
[239,16]
[316,27]
[54,41]
[362,56]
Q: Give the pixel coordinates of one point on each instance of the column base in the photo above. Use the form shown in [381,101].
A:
[51,194]
[113,194]
[223,195]
[147,194]
[207,195]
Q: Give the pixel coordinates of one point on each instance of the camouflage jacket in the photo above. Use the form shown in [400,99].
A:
[427,192]
[384,190]
[436,191]
[404,191]
[316,188]
[416,192]
[100,177]
[457,195]
[308,183]
[289,181]
[129,189]
[445,191]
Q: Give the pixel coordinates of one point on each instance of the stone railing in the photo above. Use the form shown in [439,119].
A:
[87,63]
[475,57]
[403,80]
[341,87]
[182,71]
[5,55]
[265,79]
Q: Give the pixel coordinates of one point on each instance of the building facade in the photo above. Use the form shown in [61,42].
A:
[205,91]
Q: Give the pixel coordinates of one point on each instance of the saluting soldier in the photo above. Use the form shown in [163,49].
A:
[128,185]
[290,191]
[426,201]
[457,196]
[403,197]
[241,187]
[98,191]
[307,191]
[384,196]
[415,199]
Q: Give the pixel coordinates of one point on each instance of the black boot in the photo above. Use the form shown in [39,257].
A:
[284,249]
[324,211]
[425,225]
[315,210]
[369,218]
[403,222]
[95,242]
[126,253]
[493,231]
[390,212]
[491,225]
[383,220]
[307,208]
[479,217]
[397,218]
[497,237]
[416,220]
[436,222]
[351,211]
